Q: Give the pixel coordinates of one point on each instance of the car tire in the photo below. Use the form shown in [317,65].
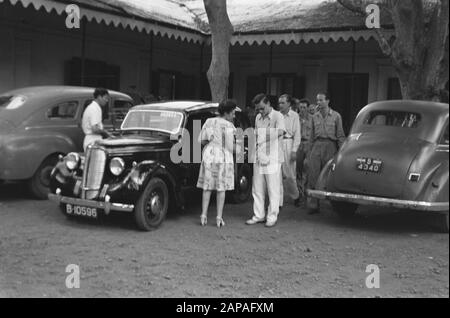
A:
[345,210]
[151,208]
[243,185]
[443,223]
[39,184]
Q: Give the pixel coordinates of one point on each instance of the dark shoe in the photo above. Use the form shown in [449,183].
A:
[313,211]
[298,202]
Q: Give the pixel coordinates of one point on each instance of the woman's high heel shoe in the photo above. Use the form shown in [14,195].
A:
[220,222]
[203,220]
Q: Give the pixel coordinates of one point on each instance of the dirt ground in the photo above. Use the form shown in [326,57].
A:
[303,256]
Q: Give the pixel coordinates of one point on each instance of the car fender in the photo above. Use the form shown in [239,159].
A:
[144,171]
[325,180]
[24,153]
[436,185]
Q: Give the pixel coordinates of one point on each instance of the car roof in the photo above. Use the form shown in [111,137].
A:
[434,117]
[57,90]
[423,107]
[40,97]
[187,106]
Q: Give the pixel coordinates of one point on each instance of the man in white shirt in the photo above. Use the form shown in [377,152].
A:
[291,143]
[269,127]
[91,122]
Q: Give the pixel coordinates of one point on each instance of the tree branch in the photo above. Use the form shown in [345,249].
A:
[383,43]
[358,7]
[353,6]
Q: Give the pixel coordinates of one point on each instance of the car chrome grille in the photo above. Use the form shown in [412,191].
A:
[93,173]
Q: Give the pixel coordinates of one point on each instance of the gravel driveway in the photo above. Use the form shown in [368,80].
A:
[303,256]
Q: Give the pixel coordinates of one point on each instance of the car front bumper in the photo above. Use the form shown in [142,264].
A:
[386,202]
[106,206]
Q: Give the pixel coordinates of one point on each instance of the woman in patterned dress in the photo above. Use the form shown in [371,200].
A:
[217,167]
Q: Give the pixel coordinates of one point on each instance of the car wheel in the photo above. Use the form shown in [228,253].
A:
[243,185]
[443,223]
[344,209]
[152,206]
[39,184]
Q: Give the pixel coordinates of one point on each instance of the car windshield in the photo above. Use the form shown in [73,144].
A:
[159,120]
[12,102]
[393,118]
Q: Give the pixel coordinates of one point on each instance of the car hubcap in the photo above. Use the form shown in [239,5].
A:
[154,205]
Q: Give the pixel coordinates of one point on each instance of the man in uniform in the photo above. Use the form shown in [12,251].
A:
[269,128]
[327,136]
[305,145]
[291,143]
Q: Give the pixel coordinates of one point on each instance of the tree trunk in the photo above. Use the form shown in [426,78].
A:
[419,52]
[221,32]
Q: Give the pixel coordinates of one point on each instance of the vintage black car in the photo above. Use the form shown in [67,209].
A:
[135,172]
[396,156]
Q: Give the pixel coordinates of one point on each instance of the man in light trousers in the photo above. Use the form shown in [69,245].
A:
[291,143]
[269,128]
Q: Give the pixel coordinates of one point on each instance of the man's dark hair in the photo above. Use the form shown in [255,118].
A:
[327,96]
[227,106]
[100,92]
[260,98]
[288,98]
[304,101]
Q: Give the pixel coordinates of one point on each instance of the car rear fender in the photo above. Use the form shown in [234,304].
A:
[435,187]
[24,153]
[431,168]
[325,180]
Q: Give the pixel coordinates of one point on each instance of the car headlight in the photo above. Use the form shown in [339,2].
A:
[116,166]
[72,161]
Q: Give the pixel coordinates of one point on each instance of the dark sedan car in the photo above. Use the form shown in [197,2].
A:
[145,170]
[396,155]
[39,123]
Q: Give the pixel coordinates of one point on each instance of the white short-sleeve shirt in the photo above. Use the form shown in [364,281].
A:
[92,116]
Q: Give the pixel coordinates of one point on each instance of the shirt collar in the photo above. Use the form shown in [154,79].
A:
[268,115]
[328,114]
[289,113]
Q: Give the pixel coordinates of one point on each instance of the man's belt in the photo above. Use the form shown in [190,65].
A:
[288,137]
[305,139]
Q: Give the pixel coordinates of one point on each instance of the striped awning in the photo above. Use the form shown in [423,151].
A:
[173,19]
[305,37]
[114,18]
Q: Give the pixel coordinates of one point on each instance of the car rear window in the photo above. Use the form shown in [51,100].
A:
[393,119]
[64,110]
[12,102]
